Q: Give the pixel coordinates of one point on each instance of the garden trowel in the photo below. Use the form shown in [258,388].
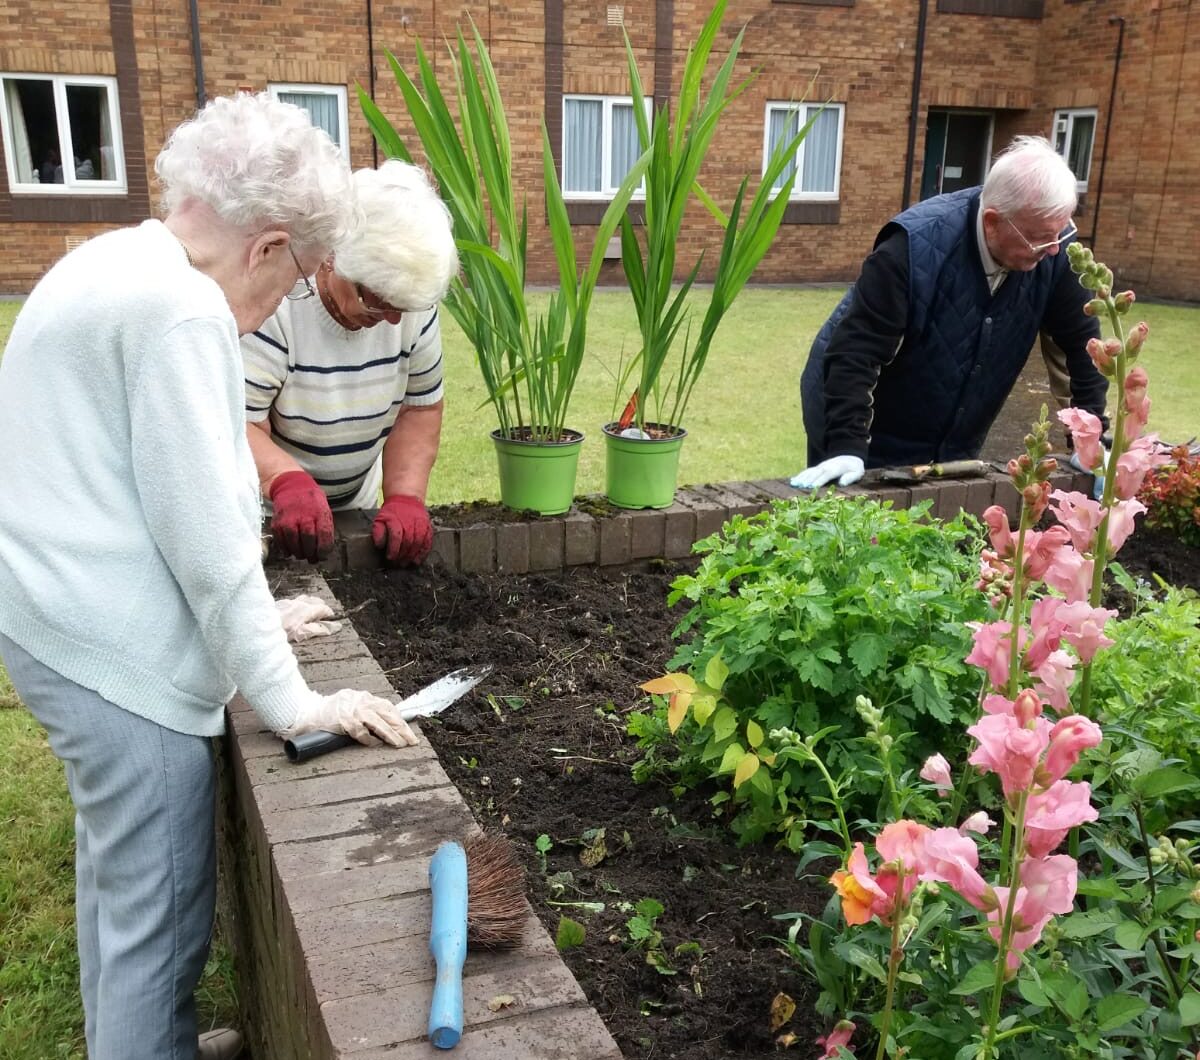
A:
[430,700]
[927,472]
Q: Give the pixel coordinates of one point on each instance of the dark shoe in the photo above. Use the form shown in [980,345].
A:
[221,1044]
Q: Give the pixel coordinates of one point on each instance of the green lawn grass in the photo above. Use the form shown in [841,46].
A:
[744,422]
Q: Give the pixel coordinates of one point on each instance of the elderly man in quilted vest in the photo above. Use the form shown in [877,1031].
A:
[917,360]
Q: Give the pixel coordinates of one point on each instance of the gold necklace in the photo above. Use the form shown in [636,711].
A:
[187,253]
[330,304]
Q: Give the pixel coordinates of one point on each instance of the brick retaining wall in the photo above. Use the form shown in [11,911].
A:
[326,889]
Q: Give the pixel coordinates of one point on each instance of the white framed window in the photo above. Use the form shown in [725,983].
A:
[818,160]
[62,134]
[599,145]
[1074,135]
[326,106]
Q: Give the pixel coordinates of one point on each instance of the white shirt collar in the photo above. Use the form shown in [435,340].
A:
[996,274]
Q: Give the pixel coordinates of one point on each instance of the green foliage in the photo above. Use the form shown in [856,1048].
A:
[644,935]
[529,363]
[570,933]
[795,613]
[677,142]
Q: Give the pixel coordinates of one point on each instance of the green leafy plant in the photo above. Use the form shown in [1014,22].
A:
[529,363]
[794,614]
[677,142]
[643,934]
[1171,495]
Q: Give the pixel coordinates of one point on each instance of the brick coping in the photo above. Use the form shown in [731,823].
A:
[326,887]
[594,533]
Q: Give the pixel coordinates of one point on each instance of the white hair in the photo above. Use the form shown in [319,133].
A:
[257,163]
[402,249]
[1030,175]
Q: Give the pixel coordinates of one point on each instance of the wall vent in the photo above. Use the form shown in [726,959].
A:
[74,241]
[616,14]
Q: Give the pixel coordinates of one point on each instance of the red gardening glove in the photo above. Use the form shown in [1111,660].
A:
[402,530]
[302,523]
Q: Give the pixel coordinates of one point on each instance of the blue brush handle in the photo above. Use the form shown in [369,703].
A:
[448,943]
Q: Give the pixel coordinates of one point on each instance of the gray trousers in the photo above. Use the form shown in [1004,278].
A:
[145,863]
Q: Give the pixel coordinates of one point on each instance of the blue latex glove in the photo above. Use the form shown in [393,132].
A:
[1097,480]
[846,469]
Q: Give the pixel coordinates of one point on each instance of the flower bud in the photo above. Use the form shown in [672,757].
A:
[1013,468]
[1026,707]
[1096,307]
[1137,336]
[1124,300]
[1047,467]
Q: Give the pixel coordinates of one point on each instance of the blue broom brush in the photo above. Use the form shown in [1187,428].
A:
[478,896]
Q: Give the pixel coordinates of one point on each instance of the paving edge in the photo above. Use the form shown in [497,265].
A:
[595,532]
[325,895]
[325,888]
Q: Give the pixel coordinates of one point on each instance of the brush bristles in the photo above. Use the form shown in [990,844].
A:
[495,893]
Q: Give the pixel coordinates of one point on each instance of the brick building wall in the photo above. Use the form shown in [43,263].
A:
[1017,70]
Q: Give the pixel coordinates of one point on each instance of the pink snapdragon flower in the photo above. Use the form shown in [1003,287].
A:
[838,1037]
[979,822]
[1050,815]
[1071,574]
[1008,749]
[1083,627]
[1080,515]
[1120,523]
[1137,404]
[1041,549]
[936,771]
[1133,465]
[1047,888]
[862,898]
[1085,431]
[1069,738]
[1047,629]
[951,857]
[999,532]
[1054,678]
[991,650]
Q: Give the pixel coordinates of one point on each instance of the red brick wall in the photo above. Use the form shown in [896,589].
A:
[1019,69]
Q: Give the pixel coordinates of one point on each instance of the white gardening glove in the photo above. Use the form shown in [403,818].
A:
[359,715]
[301,617]
[846,469]
[1097,477]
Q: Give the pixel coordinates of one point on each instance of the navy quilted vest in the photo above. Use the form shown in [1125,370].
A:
[964,347]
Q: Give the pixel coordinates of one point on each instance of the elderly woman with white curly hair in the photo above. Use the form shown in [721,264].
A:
[132,596]
[344,390]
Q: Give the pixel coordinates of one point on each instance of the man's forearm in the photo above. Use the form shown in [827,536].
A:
[269,459]
[411,450]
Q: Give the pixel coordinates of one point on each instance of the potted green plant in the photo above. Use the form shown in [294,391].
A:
[642,446]
[529,362]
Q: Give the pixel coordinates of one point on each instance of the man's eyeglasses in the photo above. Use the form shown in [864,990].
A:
[303,287]
[377,307]
[1041,248]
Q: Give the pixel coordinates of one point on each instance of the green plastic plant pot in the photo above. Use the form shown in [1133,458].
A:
[642,472]
[538,476]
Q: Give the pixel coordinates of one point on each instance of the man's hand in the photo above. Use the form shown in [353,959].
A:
[1097,475]
[402,530]
[304,617]
[359,715]
[846,469]
[302,523]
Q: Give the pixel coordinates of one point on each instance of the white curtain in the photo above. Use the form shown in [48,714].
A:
[22,160]
[582,165]
[626,146]
[322,110]
[783,126]
[820,151]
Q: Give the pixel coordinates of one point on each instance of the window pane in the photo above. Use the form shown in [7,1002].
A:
[626,145]
[91,132]
[820,151]
[782,126]
[582,156]
[322,110]
[34,126]
[1083,130]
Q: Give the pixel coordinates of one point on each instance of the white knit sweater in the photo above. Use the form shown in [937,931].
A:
[130,560]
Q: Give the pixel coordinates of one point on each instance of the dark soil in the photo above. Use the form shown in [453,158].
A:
[541,749]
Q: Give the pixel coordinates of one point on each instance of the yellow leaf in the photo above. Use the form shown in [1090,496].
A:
[754,733]
[747,767]
[702,707]
[782,1010]
[768,760]
[501,1001]
[665,685]
[677,709]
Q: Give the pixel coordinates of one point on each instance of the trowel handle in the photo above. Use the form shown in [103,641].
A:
[448,943]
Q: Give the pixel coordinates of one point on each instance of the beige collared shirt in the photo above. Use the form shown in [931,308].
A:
[996,274]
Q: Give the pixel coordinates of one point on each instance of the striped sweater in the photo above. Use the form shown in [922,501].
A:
[332,395]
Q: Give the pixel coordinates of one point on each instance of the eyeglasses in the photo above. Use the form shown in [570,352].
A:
[303,287]
[1041,248]
[377,307]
